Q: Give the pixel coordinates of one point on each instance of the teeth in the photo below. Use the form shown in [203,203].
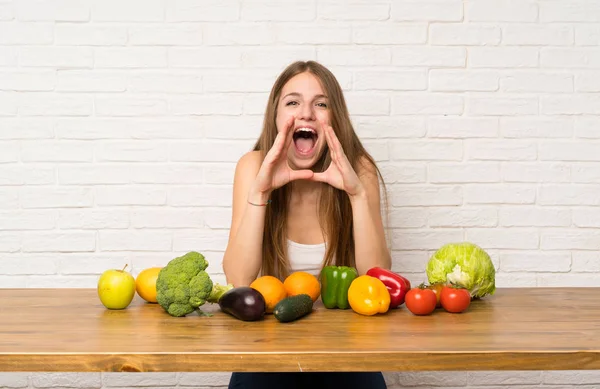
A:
[304,129]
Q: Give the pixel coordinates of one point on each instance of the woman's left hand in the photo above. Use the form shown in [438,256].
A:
[340,173]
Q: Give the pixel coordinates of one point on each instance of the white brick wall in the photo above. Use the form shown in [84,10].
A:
[121,121]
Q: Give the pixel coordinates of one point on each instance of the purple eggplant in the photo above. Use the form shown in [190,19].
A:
[244,303]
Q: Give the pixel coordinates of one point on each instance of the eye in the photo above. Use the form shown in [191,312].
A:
[322,105]
[291,103]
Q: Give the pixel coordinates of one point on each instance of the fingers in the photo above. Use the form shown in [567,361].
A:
[301,174]
[324,126]
[335,147]
[338,156]
[285,131]
[282,141]
[275,150]
[288,129]
[335,142]
[320,177]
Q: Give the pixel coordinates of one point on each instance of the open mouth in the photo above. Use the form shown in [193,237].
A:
[305,139]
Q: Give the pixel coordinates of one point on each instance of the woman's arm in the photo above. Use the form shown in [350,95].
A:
[254,181]
[243,256]
[370,246]
[362,187]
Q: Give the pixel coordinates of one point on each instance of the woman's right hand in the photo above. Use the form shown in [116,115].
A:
[275,171]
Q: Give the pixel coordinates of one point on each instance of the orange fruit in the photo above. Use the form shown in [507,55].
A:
[145,284]
[271,289]
[301,282]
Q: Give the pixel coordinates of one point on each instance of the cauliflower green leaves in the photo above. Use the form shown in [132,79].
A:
[463,264]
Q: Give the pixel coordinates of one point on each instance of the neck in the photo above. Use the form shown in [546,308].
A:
[305,188]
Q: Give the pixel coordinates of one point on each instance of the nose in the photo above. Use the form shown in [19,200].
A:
[306,112]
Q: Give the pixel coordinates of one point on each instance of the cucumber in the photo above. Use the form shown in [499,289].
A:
[293,308]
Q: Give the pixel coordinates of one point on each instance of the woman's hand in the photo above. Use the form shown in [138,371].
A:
[275,171]
[340,173]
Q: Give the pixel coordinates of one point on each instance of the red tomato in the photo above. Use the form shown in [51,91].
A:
[455,300]
[437,289]
[420,301]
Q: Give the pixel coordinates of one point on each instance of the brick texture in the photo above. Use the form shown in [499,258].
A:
[121,122]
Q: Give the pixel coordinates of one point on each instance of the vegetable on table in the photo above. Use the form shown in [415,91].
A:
[437,289]
[396,284]
[243,303]
[455,300]
[335,282]
[463,264]
[368,296]
[183,285]
[421,300]
[293,308]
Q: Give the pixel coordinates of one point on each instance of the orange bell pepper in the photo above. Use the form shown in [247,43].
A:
[368,296]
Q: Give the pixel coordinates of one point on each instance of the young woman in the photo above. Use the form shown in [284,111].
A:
[307,196]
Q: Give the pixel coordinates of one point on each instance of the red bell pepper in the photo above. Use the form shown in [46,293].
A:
[396,284]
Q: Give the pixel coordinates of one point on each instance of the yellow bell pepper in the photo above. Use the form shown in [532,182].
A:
[368,296]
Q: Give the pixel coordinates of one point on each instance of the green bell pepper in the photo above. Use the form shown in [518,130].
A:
[335,281]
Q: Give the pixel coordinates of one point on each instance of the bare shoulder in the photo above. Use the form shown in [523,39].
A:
[251,158]
[249,164]
[366,170]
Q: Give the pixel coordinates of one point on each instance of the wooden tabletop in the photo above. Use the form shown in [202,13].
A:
[515,329]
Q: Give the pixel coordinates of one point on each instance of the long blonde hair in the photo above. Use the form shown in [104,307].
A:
[335,211]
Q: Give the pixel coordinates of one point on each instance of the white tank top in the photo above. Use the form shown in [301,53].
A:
[306,257]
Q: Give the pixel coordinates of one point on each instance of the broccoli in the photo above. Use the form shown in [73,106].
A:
[183,285]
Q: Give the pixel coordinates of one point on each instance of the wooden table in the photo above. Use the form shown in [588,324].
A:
[515,329]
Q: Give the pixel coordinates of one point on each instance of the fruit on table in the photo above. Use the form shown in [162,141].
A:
[396,284]
[116,288]
[368,296]
[293,308]
[301,282]
[455,300]
[183,285]
[272,290]
[421,300]
[145,284]
[244,303]
[437,289]
[335,282]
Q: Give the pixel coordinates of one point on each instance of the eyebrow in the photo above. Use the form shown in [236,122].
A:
[298,94]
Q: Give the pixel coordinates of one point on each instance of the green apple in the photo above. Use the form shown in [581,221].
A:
[116,288]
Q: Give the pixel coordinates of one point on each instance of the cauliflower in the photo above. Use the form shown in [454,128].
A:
[183,285]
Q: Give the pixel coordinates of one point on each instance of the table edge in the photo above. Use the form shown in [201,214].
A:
[303,361]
